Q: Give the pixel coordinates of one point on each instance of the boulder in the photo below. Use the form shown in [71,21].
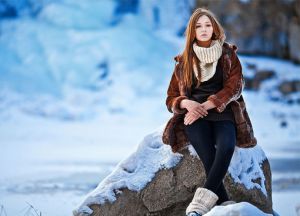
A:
[260,76]
[287,87]
[156,181]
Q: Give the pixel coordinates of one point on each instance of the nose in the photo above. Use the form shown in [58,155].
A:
[203,29]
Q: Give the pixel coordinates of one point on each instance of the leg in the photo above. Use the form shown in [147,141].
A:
[225,141]
[222,194]
[201,136]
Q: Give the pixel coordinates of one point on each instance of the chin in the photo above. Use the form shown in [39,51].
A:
[204,39]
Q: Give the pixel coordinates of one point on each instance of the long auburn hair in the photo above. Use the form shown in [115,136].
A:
[188,54]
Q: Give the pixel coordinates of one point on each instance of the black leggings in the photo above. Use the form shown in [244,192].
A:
[204,135]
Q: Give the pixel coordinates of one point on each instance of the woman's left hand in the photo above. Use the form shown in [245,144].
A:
[191,116]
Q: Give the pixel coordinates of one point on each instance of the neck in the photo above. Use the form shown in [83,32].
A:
[204,43]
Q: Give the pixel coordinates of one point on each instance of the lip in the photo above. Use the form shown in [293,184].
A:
[204,35]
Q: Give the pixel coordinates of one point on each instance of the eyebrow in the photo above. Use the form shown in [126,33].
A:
[204,23]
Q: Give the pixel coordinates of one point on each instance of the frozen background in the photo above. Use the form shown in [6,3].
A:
[81,84]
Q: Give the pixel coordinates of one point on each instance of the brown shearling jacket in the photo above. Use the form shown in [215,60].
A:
[230,95]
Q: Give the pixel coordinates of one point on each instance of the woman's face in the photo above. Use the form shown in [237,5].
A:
[204,28]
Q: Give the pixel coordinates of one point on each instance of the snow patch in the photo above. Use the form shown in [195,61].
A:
[237,209]
[245,166]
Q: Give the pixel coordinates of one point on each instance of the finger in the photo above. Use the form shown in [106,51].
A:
[202,107]
[204,110]
[193,119]
[202,115]
[189,120]
[198,112]
[188,116]
[201,111]
[194,114]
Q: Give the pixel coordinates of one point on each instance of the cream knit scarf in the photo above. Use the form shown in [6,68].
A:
[208,57]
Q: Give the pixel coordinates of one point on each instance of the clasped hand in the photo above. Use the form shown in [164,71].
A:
[195,110]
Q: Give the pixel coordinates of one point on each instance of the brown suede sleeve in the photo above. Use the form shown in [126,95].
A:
[173,95]
[233,86]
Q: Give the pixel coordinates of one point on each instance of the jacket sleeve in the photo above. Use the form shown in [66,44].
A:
[173,95]
[232,88]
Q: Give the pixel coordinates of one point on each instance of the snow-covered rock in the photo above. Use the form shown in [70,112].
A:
[155,180]
[238,209]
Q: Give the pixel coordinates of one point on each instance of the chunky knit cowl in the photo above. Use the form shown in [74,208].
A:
[208,57]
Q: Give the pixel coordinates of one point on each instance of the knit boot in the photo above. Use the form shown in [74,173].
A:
[202,202]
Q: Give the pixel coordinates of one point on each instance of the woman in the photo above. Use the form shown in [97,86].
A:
[205,94]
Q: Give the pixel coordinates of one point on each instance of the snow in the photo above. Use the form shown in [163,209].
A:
[82,96]
[238,209]
[245,166]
